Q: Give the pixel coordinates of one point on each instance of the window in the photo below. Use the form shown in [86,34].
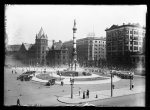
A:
[135,38]
[131,32]
[131,48]
[140,43]
[135,48]
[126,47]
[127,31]
[95,41]
[63,51]
[143,34]
[135,43]
[136,32]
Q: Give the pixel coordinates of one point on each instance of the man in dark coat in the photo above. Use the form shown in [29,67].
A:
[83,94]
[18,102]
[87,93]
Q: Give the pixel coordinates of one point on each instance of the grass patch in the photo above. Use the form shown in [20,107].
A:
[90,79]
[46,77]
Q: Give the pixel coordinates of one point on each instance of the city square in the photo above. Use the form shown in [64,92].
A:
[106,71]
[35,92]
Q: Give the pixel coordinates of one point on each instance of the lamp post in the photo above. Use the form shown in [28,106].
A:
[111,83]
[131,78]
[72,82]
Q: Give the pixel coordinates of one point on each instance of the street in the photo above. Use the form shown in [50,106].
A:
[36,93]
[128,100]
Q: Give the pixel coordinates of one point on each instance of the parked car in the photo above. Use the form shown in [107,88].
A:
[50,82]
[24,77]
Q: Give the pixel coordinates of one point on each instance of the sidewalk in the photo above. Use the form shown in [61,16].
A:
[101,95]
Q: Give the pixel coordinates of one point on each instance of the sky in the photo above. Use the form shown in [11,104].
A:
[23,22]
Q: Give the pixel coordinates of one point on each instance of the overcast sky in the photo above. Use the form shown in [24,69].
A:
[24,21]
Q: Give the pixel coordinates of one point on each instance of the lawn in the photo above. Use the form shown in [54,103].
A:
[90,79]
[46,77]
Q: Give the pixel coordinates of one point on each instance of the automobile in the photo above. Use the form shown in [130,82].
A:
[50,82]
[24,77]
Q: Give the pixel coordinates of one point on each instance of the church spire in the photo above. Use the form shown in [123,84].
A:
[41,33]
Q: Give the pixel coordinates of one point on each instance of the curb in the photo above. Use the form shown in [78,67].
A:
[139,76]
[95,99]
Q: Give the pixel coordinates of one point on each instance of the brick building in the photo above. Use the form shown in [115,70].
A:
[122,41]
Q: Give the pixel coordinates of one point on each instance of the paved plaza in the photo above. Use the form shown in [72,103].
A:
[34,92]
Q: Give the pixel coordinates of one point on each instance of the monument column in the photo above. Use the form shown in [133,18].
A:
[74,62]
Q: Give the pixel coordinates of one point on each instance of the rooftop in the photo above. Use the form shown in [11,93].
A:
[124,25]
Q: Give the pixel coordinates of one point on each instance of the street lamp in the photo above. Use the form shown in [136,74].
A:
[131,78]
[72,82]
[112,86]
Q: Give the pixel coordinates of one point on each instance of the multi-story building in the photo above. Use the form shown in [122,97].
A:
[23,52]
[35,54]
[57,55]
[12,49]
[90,50]
[41,45]
[123,40]
[41,53]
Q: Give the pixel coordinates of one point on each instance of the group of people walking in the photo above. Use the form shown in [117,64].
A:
[85,93]
[14,72]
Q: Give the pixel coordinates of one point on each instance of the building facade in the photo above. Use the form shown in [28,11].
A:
[57,56]
[90,50]
[122,41]
[12,49]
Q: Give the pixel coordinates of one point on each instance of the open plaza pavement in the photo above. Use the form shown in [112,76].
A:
[35,92]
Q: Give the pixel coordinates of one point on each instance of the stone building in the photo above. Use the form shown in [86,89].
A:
[122,41]
[12,49]
[41,45]
[90,50]
[23,53]
[57,55]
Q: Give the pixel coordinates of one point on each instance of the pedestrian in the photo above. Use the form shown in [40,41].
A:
[79,91]
[62,83]
[132,86]
[87,93]
[83,94]
[96,96]
[18,101]
[12,71]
